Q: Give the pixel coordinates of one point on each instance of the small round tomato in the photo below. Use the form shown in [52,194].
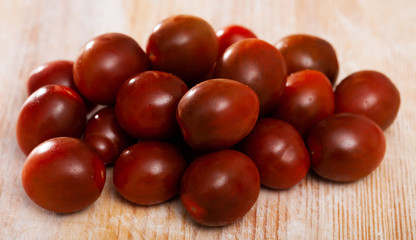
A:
[259,65]
[232,34]
[219,188]
[302,52]
[370,93]
[63,175]
[104,63]
[279,153]
[307,99]
[217,113]
[183,45]
[55,72]
[105,134]
[51,111]
[346,147]
[149,172]
[146,104]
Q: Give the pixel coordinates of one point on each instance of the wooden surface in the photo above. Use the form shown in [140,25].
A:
[367,34]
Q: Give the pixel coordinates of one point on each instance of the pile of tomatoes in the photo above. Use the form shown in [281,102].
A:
[208,116]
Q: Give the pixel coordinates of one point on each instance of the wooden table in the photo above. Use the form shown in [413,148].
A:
[370,34]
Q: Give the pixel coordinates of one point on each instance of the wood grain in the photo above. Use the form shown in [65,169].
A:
[371,34]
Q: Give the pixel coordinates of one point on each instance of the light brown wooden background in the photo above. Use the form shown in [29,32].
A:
[367,34]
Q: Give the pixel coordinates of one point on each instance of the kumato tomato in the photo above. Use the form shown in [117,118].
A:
[149,172]
[105,134]
[370,93]
[183,45]
[51,111]
[259,65]
[346,147]
[104,63]
[231,34]
[307,99]
[219,188]
[146,105]
[55,72]
[302,51]
[279,153]
[63,175]
[217,114]
[208,116]
[59,72]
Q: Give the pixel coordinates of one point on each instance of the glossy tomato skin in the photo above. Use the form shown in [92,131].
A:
[149,172]
[219,188]
[279,153]
[183,45]
[63,175]
[259,65]
[302,51]
[57,72]
[104,63]
[105,134]
[346,147]
[307,99]
[370,93]
[146,104]
[232,34]
[217,114]
[51,111]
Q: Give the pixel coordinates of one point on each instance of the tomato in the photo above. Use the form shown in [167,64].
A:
[104,63]
[146,104]
[370,93]
[259,65]
[307,99]
[219,188]
[232,34]
[105,134]
[217,113]
[302,52]
[55,72]
[51,111]
[346,147]
[149,172]
[279,153]
[63,175]
[183,45]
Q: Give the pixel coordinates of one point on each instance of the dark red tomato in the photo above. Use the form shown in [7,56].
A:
[346,147]
[370,93]
[56,72]
[183,45]
[259,65]
[63,175]
[303,52]
[146,104]
[232,34]
[149,172]
[51,111]
[104,63]
[279,153]
[105,134]
[219,188]
[217,113]
[307,99]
